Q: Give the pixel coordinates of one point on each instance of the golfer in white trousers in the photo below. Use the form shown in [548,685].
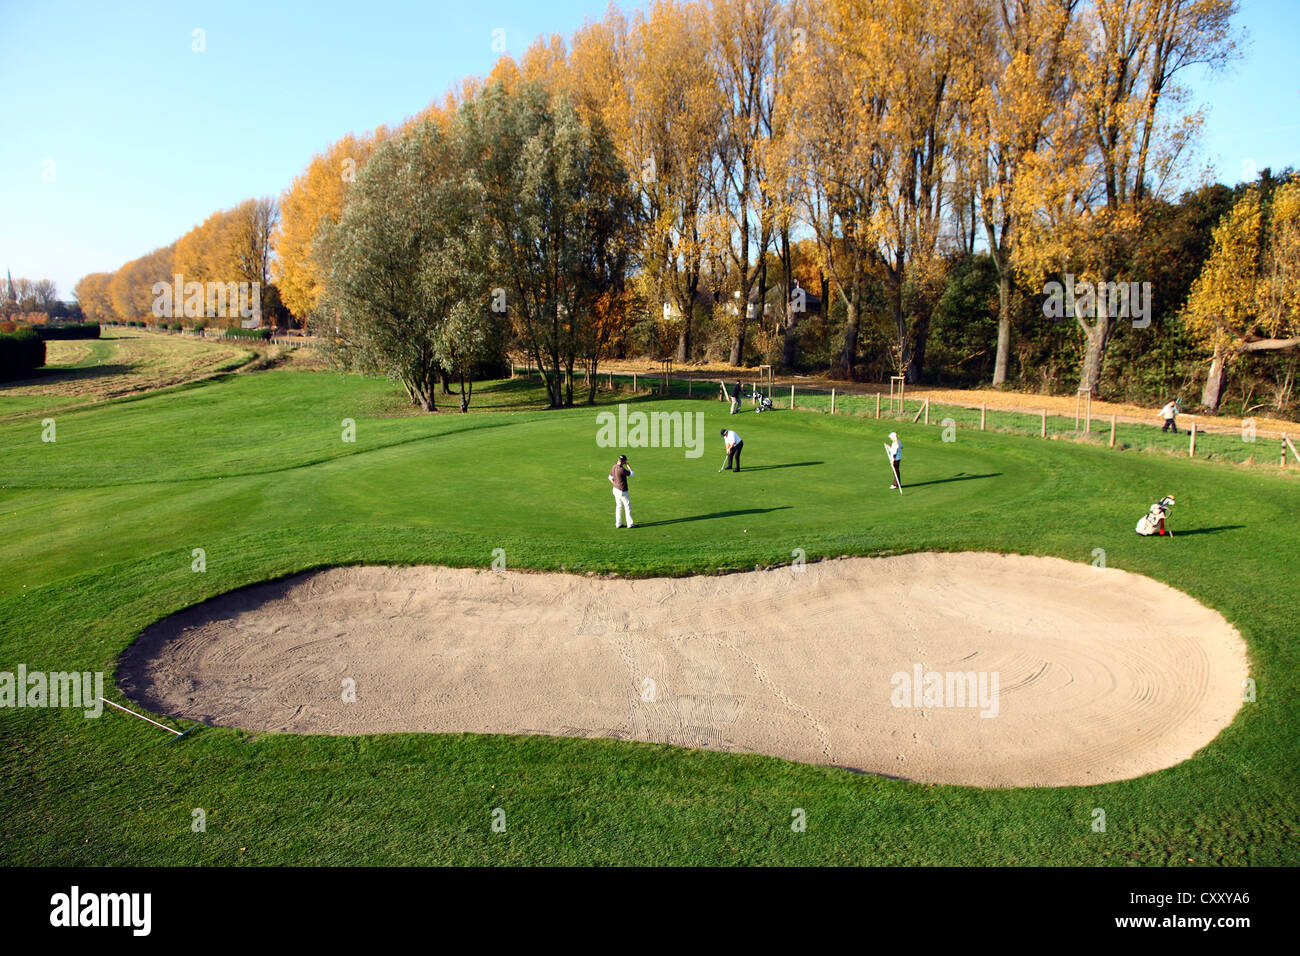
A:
[618,476]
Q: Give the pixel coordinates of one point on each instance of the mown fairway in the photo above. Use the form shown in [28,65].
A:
[97,531]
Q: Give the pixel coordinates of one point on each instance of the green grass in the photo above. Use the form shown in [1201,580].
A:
[97,529]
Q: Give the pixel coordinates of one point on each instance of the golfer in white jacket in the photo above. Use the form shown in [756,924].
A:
[895,449]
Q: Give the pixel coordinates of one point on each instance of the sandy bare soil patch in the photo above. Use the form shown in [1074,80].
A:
[1065,674]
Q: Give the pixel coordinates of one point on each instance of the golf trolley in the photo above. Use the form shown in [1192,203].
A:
[761,402]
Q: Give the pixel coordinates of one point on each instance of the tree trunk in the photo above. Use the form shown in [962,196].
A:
[849,354]
[424,391]
[684,338]
[916,359]
[789,351]
[1216,380]
[464,398]
[1096,336]
[900,325]
[1004,329]
[738,343]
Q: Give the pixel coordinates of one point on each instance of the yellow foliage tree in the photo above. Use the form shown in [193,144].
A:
[315,196]
[1247,296]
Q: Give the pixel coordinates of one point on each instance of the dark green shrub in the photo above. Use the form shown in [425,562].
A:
[263,334]
[81,330]
[21,353]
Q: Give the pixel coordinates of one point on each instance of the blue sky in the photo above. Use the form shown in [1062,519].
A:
[118,137]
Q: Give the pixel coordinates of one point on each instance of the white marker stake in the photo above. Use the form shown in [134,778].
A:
[143,717]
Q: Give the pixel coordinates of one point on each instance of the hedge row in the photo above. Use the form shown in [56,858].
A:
[262,334]
[21,353]
[86,330]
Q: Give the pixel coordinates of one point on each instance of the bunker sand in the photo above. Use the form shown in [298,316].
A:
[1101,675]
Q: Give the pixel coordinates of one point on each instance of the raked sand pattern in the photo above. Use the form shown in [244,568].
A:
[1099,674]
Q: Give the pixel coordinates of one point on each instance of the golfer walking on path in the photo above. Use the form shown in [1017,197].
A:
[896,458]
[618,476]
[734,444]
[1168,413]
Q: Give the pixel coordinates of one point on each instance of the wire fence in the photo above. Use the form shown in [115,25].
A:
[1192,439]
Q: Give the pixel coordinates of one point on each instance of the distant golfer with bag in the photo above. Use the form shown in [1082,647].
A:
[734,444]
[618,476]
[895,453]
[1169,413]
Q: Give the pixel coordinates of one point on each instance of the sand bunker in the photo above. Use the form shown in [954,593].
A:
[969,668]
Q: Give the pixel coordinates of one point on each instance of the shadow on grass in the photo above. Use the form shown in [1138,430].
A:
[1179,533]
[716,514]
[943,481]
[55,374]
[792,464]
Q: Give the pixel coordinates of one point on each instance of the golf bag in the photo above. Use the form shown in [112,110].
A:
[1153,522]
[761,402]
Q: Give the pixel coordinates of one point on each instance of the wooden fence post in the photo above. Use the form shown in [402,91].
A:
[1112,431]
[877,404]
[983,409]
[927,409]
[832,401]
[791,398]
[1191,449]
[634,383]
[1044,434]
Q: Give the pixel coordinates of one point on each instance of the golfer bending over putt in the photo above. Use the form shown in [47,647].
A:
[734,444]
[896,457]
[618,476]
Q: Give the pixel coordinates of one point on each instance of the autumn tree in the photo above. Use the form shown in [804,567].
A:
[657,94]
[1017,110]
[314,198]
[1084,204]
[92,293]
[1247,297]
[746,48]
[831,150]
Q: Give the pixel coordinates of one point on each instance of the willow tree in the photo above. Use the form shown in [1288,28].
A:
[558,207]
[405,267]
[1247,296]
